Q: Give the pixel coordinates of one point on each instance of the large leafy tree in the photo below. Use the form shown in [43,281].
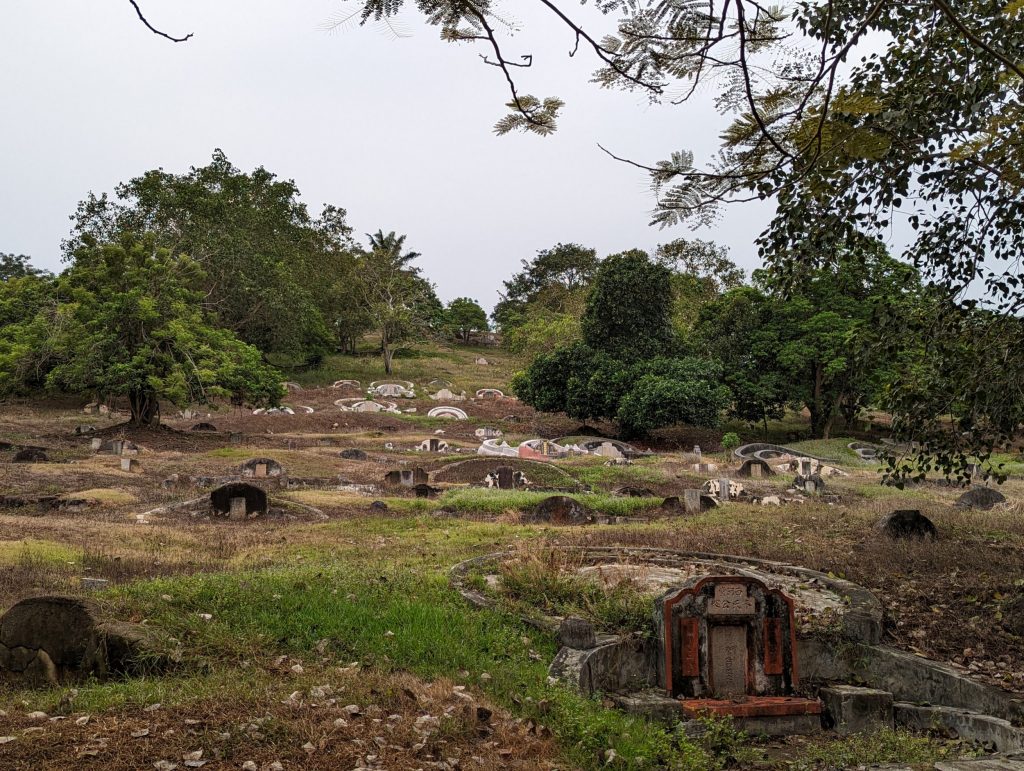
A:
[25,293]
[851,115]
[268,268]
[641,395]
[464,316]
[129,323]
[629,308]
[742,330]
[701,270]
[551,284]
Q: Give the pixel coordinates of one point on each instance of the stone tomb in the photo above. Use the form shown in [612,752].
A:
[727,646]
[406,477]
[261,468]
[239,500]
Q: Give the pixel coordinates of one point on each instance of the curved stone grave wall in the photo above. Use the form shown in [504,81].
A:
[476,470]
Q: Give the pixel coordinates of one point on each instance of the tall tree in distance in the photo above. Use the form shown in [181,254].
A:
[552,283]
[257,244]
[464,317]
[396,299]
[629,308]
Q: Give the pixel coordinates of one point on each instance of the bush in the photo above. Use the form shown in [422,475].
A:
[731,441]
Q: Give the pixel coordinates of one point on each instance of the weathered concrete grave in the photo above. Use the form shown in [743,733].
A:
[907,523]
[755,467]
[506,478]
[131,465]
[727,645]
[62,638]
[261,468]
[30,455]
[432,445]
[406,477]
[239,500]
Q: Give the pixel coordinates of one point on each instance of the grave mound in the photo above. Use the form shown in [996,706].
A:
[559,510]
[473,470]
[239,500]
[983,498]
[907,523]
[63,638]
[30,455]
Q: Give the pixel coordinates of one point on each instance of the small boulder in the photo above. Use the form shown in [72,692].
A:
[907,523]
[378,506]
[423,490]
[983,498]
[203,427]
[353,453]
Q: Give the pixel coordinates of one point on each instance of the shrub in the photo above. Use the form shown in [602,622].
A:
[731,441]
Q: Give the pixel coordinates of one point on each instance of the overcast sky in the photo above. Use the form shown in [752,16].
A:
[399,132]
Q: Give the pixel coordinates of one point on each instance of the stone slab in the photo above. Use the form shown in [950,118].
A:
[850,709]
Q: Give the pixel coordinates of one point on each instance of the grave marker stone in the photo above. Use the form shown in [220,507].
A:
[260,471]
[723,490]
[728,643]
[238,508]
[691,501]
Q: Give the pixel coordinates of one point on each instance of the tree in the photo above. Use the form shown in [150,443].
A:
[701,270]
[129,323]
[397,300]
[258,247]
[551,283]
[17,266]
[847,114]
[465,316]
[641,395]
[629,307]
[742,330]
[25,293]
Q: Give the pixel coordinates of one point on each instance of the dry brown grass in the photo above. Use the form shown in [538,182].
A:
[268,726]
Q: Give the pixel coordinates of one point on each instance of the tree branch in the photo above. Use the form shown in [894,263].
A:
[154,30]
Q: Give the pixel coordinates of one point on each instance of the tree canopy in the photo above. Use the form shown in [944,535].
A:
[125,320]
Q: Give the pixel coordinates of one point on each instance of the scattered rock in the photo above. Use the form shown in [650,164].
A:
[353,453]
[30,455]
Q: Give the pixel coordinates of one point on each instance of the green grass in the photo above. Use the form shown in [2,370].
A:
[387,618]
[885,746]
[481,500]
[639,474]
[420,364]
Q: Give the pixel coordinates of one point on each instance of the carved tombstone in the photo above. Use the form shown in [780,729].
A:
[726,637]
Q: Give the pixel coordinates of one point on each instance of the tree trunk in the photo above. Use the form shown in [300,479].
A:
[145,408]
[388,354]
